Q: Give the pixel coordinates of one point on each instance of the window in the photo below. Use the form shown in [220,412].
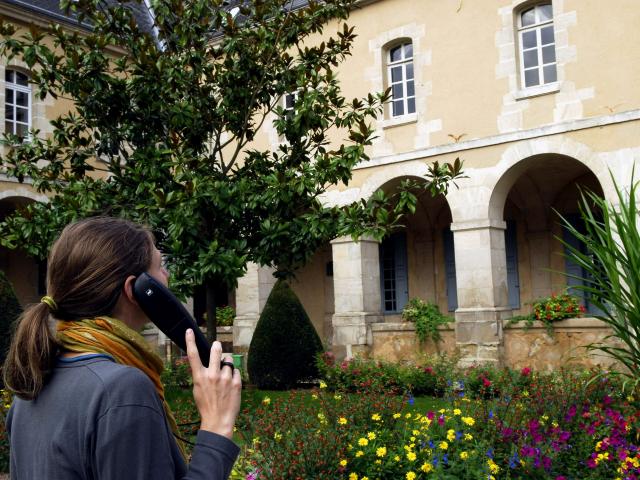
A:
[289,103]
[393,273]
[400,79]
[17,103]
[537,46]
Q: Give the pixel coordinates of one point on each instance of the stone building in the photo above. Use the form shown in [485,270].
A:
[539,99]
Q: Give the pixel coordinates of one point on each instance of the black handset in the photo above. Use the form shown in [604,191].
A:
[168,314]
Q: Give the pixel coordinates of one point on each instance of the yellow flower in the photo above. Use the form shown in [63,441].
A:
[314,396]
[337,397]
[277,436]
[457,411]
[468,436]
[408,415]
[443,445]
[493,467]
[364,478]
[451,435]
[525,393]
[397,458]
[353,476]
[468,421]
[426,467]
[343,463]
[266,400]
[359,453]
[363,442]
[378,462]
[442,410]
[411,476]
[371,436]
[376,417]
[464,455]
[411,456]
[416,432]
[323,384]
[381,451]
[396,415]
[342,421]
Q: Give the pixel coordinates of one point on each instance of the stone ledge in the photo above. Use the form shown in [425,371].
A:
[582,323]
[404,327]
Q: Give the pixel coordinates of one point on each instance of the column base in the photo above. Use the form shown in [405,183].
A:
[479,336]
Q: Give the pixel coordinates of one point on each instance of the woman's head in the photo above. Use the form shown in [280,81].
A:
[91,260]
[87,269]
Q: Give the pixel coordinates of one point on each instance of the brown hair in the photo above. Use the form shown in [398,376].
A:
[87,267]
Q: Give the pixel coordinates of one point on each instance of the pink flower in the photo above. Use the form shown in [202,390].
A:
[525,371]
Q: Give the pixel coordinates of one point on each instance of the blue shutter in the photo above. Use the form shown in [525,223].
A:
[450,270]
[401,273]
[572,268]
[511,249]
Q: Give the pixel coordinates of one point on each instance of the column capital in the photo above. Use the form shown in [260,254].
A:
[349,239]
[480,224]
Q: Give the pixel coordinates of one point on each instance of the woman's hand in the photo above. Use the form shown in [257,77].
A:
[216,391]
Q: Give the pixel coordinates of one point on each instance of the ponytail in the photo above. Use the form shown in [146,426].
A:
[32,353]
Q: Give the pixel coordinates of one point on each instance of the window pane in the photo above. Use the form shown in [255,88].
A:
[547,35]
[8,95]
[530,58]
[8,76]
[528,17]
[531,78]
[529,40]
[395,54]
[22,99]
[8,127]
[396,74]
[398,108]
[545,13]
[396,91]
[409,70]
[411,91]
[8,112]
[21,130]
[22,79]
[22,114]
[550,74]
[549,54]
[411,105]
[408,50]
[288,101]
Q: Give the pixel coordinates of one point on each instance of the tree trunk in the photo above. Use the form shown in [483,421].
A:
[212,322]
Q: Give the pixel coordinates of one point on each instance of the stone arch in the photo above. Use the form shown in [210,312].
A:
[24,272]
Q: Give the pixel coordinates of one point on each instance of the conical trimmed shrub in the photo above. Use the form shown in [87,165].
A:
[9,311]
[285,343]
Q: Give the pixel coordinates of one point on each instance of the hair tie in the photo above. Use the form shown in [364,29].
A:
[49,302]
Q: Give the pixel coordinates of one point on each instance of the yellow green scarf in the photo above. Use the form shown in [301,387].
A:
[112,337]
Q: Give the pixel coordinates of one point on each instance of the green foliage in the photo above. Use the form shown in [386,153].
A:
[611,264]
[172,126]
[10,309]
[225,316]
[285,343]
[427,318]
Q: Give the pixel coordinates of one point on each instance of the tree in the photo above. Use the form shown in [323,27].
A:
[162,127]
[285,344]
[10,310]
[611,266]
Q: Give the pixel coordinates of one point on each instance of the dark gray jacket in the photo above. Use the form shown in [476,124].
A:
[99,420]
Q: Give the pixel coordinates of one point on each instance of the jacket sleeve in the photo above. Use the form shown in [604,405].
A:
[133,441]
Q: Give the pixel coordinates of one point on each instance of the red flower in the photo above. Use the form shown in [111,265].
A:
[525,371]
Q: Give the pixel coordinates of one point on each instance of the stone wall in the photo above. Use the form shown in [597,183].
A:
[532,347]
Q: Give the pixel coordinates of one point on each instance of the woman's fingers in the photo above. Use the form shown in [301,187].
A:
[192,353]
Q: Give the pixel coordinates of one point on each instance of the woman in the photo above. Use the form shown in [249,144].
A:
[90,403]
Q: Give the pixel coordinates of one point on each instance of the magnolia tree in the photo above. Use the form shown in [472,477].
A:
[162,131]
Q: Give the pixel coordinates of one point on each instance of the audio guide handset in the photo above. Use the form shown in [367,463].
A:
[168,314]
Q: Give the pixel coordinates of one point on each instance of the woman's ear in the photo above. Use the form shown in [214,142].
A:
[128,289]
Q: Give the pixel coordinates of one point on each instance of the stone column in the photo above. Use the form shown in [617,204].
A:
[481,273]
[251,295]
[356,285]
